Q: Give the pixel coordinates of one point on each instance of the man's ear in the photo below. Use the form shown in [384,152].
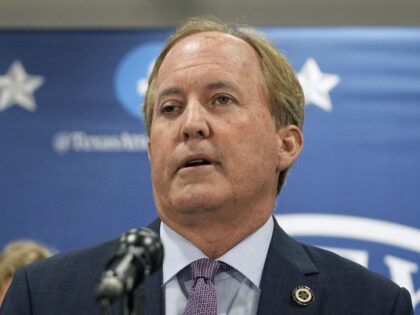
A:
[290,139]
[148,148]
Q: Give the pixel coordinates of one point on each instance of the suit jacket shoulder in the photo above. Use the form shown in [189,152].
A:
[339,286]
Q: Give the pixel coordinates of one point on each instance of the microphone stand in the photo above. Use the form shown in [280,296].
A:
[127,305]
[130,304]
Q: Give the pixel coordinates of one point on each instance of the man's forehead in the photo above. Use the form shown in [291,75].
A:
[212,47]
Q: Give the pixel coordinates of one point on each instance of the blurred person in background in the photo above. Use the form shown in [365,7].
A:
[17,254]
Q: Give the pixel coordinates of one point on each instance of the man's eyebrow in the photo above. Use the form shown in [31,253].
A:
[169,91]
[221,85]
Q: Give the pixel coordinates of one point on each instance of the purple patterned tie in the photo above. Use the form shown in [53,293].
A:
[202,299]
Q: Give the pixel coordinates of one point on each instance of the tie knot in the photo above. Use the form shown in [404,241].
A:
[206,268]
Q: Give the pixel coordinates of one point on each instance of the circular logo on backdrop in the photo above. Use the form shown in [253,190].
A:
[358,228]
[131,76]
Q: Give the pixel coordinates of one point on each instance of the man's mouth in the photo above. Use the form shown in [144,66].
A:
[196,162]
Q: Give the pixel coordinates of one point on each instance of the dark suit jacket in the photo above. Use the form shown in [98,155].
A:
[65,284]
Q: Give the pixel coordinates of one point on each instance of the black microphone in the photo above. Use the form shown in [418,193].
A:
[139,254]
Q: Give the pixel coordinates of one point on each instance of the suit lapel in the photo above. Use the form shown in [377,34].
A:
[287,266]
[153,294]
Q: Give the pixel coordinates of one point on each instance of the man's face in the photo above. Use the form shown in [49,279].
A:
[213,142]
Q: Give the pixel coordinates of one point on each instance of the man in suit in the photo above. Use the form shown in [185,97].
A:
[224,113]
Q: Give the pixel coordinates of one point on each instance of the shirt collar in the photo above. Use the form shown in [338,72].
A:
[248,256]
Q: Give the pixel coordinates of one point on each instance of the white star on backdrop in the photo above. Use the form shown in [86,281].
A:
[17,87]
[317,85]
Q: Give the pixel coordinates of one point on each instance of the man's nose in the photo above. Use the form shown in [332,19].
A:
[195,124]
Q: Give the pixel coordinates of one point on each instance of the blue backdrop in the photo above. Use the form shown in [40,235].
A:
[73,161]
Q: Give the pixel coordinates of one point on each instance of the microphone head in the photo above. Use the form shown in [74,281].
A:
[149,241]
[139,253]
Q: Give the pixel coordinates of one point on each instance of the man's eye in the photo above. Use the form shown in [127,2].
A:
[168,109]
[223,100]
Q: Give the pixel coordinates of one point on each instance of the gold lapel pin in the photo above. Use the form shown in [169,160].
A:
[303,295]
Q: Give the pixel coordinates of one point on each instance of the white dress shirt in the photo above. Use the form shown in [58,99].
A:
[237,290]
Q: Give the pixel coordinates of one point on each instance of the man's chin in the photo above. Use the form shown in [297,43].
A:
[197,204]
[198,200]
